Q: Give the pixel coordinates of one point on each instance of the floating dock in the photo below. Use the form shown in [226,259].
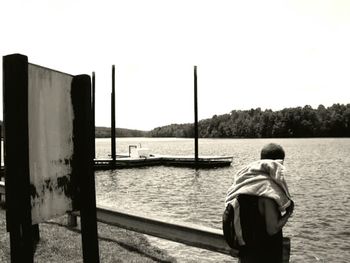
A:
[178,161]
[123,162]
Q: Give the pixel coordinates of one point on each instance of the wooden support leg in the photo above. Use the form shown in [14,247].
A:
[72,220]
[36,233]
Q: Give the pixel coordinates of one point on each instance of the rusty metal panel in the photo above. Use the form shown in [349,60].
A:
[50,121]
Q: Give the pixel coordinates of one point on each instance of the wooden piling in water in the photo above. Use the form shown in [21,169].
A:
[195,117]
[93,110]
[113,150]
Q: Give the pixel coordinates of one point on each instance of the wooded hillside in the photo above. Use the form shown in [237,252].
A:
[297,122]
[105,132]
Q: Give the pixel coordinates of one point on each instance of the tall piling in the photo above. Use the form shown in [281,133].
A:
[195,118]
[93,102]
[113,150]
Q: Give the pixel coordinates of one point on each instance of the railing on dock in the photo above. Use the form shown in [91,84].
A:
[192,235]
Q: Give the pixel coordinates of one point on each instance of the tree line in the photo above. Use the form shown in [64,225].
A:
[299,122]
[333,121]
[105,132]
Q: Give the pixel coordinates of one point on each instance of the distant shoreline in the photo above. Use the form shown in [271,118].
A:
[299,122]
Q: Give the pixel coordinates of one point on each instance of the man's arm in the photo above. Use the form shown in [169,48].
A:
[273,219]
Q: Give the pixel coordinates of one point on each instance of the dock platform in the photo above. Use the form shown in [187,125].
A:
[178,161]
[122,162]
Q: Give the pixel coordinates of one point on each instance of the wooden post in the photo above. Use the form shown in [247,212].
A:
[16,153]
[113,116]
[2,199]
[93,110]
[35,233]
[72,220]
[0,147]
[0,159]
[195,118]
[82,165]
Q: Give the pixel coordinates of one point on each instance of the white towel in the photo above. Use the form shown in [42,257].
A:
[261,178]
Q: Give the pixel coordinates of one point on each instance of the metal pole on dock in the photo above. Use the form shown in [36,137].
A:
[113,116]
[93,111]
[195,118]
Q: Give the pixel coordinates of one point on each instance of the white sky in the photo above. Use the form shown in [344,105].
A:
[268,54]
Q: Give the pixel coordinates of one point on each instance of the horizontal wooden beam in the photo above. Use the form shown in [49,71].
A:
[189,234]
[197,236]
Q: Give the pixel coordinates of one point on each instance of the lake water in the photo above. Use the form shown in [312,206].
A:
[318,178]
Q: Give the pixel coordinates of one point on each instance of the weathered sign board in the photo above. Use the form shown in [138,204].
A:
[50,123]
[48,153]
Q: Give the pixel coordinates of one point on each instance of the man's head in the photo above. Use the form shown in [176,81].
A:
[272,151]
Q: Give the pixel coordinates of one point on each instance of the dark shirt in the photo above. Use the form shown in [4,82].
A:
[260,246]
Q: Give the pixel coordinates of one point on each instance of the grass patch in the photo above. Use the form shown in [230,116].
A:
[59,243]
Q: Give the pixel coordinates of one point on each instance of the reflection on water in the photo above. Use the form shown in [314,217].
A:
[318,179]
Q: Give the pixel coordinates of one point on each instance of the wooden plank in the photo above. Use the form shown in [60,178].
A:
[201,237]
